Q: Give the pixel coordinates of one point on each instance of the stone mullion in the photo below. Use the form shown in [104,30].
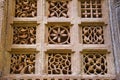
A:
[75,39]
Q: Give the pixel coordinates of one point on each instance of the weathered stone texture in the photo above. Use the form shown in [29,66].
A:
[1,25]
[115,33]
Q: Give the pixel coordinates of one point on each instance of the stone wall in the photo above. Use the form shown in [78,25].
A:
[2,34]
[115,31]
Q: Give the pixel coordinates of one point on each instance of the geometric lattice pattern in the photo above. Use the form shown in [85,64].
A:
[94,63]
[58,9]
[24,35]
[22,64]
[91,9]
[26,8]
[59,63]
[58,34]
[92,35]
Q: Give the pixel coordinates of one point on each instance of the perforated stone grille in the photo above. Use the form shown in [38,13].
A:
[61,77]
[26,8]
[22,64]
[91,9]
[59,63]
[94,63]
[58,34]
[92,35]
[24,35]
[58,9]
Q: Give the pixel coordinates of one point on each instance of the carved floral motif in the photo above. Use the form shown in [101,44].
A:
[59,63]
[24,35]
[22,63]
[95,63]
[92,35]
[58,9]
[59,34]
[26,8]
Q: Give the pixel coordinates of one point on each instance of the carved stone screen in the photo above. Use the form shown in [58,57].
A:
[58,34]
[59,63]
[58,9]
[24,35]
[22,64]
[26,8]
[91,9]
[94,63]
[46,40]
[92,35]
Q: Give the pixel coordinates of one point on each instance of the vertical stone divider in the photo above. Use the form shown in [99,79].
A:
[75,38]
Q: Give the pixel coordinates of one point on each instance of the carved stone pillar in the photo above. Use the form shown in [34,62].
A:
[115,31]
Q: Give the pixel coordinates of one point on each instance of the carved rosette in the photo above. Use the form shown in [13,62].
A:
[24,35]
[22,64]
[58,34]
[59,63]
[26,8]
[58,9]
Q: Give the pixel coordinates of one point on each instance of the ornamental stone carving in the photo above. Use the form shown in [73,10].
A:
[91,9]
[95,63]
[24,35]
[22,63]
[58,9]
[26,8]
[92,35]
[59,63]
[58,34]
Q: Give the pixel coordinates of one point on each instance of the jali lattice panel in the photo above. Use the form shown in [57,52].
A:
[24,35]
[26,8]
[94,63]
[22,64]
[59,63]
[91,9]
[58,8]
[92,35]
[58,34]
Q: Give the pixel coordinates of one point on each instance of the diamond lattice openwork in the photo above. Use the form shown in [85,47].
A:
[59,63]
[24,35]
[94,63]
[22,63]
[26,8]
[58,34]
[58,9]
[92,35]
[91,9]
